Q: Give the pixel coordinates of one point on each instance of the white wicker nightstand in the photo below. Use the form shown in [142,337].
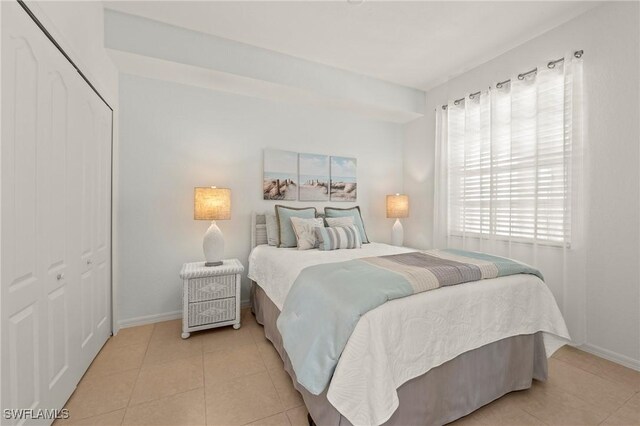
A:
[211,296]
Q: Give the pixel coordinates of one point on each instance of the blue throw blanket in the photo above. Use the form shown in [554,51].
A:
[326,301]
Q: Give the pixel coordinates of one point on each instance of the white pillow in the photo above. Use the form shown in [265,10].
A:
[273,232]
[305,231]
[339,221]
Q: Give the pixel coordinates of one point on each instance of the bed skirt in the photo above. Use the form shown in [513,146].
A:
[441,395]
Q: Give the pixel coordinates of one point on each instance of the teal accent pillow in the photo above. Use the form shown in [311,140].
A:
[283,217]
[352,211]
[338,237]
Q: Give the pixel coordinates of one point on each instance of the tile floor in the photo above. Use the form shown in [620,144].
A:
[148,375]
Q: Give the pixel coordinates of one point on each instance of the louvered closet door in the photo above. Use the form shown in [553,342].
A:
[55,170]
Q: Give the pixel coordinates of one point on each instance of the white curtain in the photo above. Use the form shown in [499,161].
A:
[509,178]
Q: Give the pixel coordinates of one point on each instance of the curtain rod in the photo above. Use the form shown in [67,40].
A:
[550,64]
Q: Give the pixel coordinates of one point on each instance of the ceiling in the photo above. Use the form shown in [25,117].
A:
[414,44]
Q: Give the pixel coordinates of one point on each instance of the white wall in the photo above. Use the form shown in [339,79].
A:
[178,131]
[609,35]
[141,36]
[174,137]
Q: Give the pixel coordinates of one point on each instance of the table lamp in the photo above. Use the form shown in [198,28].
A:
[211,203]
[397,207]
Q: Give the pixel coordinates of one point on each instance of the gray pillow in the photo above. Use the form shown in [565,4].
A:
[353,212]
[339,221]
[273,233]
[283,217]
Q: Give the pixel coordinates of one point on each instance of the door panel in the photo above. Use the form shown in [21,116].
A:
[54,170]
[56,182]
[87,124]
[54,229]
[24,361]
[59,333]
[86,291]
[19,161]
[90,343]
[24,140]
[21,281]
[102,258]
[102,297]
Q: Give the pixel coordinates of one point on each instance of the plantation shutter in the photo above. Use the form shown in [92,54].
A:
[509,158]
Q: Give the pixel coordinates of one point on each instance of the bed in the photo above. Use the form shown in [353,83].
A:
[429,358]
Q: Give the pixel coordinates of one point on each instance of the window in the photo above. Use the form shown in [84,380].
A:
[509,158]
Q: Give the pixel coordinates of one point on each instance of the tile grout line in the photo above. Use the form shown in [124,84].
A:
[559,390]
[204,383]
[596,374]
[98,415]
[121,345]
[95,376]
[86,378]
[137,376]
[167,396]
[564,391]
[531,414]
[284,410]
[162,397]
[617,385]
[277,392]
[247,375]
[271,380]
[255,374]
[524,408]
[620,407]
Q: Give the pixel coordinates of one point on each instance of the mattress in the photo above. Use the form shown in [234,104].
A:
[405,338]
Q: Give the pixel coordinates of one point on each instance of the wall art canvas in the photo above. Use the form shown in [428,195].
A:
[280,178]
[314,177]
[344,185]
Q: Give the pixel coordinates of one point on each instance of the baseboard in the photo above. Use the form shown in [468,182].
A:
[167,316]
[611,356]
[149,319]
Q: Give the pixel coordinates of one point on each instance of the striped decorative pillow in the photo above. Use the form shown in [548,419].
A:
[338,237]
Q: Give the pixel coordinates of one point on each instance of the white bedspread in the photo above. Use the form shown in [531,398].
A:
[404,338]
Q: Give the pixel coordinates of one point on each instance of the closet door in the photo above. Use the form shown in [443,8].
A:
[22,280]
[53,181]
[102,229]
[94,133]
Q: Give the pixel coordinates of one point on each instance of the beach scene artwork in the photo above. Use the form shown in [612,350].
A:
[280,179]
[344,185]
[314,177]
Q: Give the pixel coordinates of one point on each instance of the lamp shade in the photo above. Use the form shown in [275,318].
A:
[397,206]
[211,203]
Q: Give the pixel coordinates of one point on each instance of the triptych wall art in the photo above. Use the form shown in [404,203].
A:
[308,177]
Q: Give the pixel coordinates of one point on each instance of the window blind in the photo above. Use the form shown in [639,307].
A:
[509,159]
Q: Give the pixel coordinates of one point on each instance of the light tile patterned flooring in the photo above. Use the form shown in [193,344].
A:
[148,375]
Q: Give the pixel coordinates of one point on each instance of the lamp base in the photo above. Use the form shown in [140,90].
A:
[397,233]
[213,245]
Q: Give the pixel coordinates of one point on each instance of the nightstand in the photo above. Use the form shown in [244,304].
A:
[211,296]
